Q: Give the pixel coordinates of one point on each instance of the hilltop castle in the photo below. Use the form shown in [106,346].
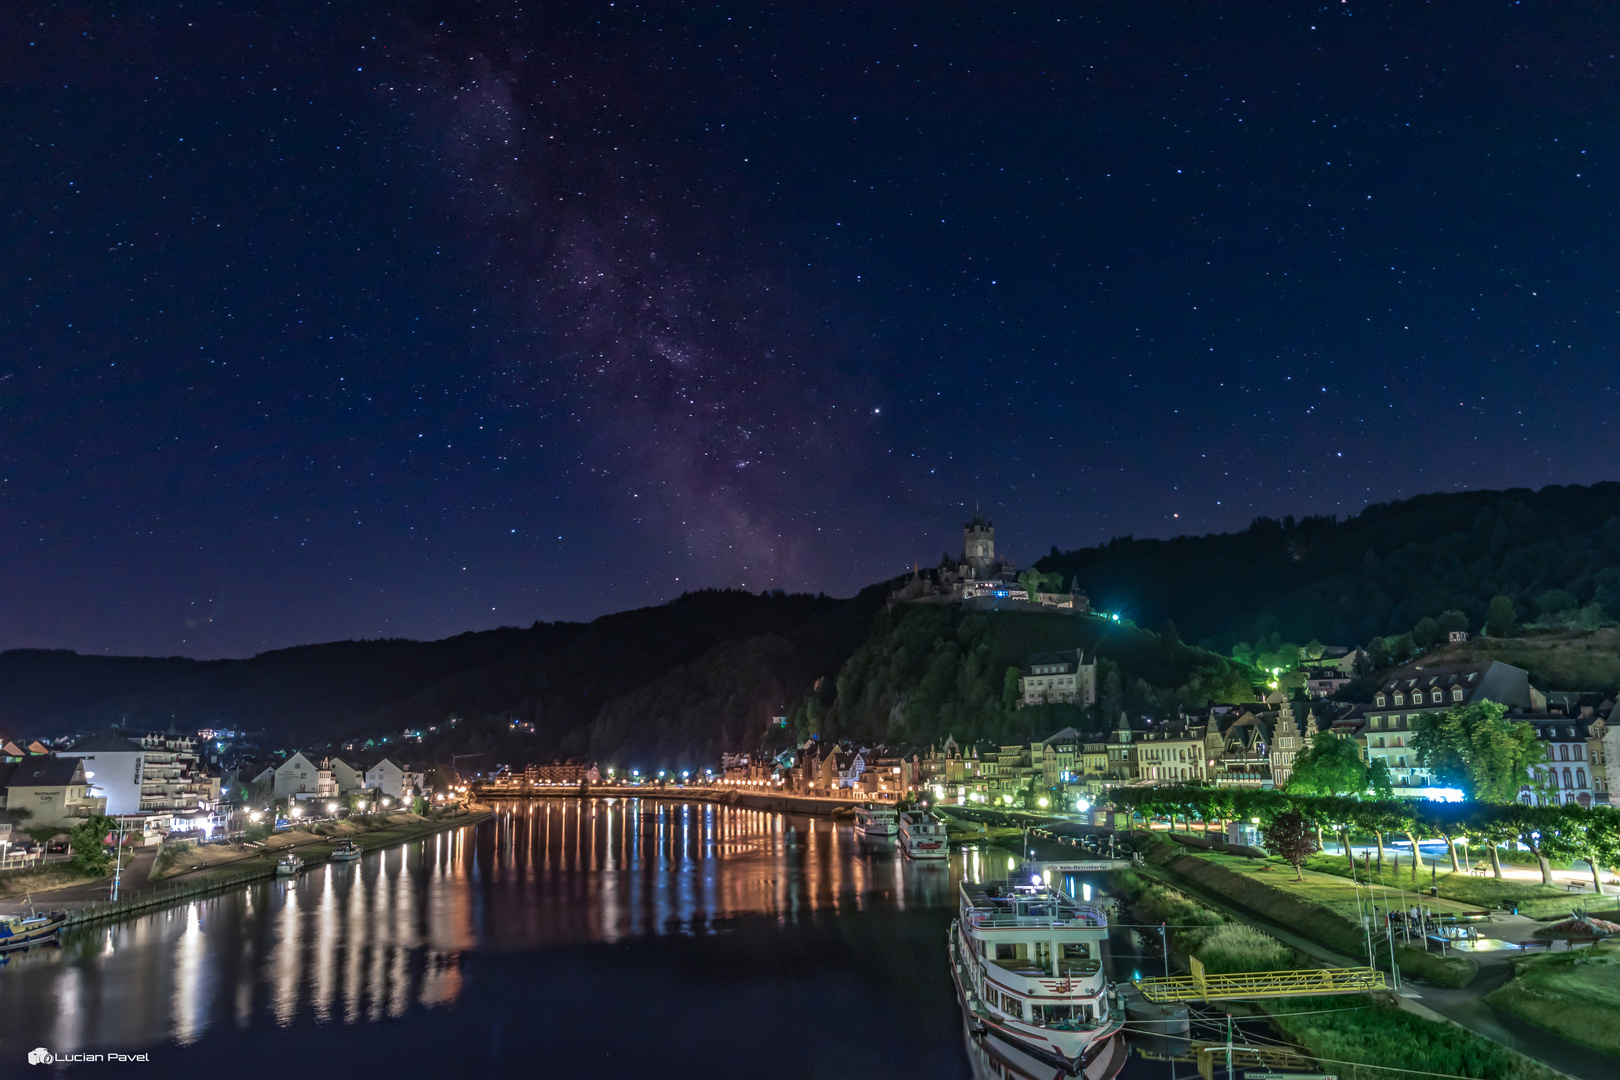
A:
[979,579]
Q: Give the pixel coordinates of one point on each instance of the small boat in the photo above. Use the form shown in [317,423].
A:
[347,851]
[922,836]
[289,865]
[20,932]
[876,822]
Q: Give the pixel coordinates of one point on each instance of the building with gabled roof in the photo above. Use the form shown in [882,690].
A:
[1414,691]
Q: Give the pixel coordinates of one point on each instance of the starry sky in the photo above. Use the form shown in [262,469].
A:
[344,320]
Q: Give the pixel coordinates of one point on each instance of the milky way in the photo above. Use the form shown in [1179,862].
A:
[364,320]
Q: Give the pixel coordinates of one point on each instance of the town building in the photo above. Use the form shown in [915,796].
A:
[301,777]
[53,790]
[395,779]
[1173,754]
[1566,775]
[1286,743]
[114,766]
[1415,691]
[1068,678]
[555,771]
[1322,682]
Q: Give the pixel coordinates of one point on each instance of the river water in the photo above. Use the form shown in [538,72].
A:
[560,938]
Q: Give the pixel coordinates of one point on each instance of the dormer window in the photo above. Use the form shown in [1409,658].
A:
[1380,700]
[1456,693]
[1400,698]
[1435,697]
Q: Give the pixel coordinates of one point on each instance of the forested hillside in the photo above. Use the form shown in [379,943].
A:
[932,670]
[649,673]
[1555,552]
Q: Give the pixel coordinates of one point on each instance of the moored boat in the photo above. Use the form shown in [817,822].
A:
[288,865]
[876,822]
[347,851]
[922,836]
[23,931]
[1027,964]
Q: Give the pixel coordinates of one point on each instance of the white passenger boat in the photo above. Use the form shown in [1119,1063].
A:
[288,865]
[347,851]
[876,822]
[1027,964]
[922,836]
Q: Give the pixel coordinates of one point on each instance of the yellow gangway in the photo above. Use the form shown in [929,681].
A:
[1260,984]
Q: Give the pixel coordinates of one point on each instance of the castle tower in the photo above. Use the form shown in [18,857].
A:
[979,542]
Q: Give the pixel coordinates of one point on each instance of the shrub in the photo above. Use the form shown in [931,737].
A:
[1239,947]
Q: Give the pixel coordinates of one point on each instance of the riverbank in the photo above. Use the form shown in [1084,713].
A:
[1574,994]
[1361,1037]
[226,868]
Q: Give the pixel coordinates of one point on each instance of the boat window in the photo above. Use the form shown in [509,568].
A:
[1043,955]
[1010,951]
[1012,1006]
[1076,950]
[1054,1014]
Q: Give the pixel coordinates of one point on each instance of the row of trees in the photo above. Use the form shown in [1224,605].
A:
[1549,832]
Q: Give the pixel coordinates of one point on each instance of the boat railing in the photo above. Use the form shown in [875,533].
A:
[993,919]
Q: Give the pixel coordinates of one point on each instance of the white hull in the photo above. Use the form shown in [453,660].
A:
[1026,965]
[992,1058]
[923,838]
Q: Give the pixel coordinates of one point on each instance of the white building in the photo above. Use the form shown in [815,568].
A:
[391,778]
[1061,677]
[299,776]
[115,767]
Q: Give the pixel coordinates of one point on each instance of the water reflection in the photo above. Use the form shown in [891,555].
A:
[368,941]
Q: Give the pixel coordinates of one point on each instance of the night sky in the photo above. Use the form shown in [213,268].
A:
[345,320]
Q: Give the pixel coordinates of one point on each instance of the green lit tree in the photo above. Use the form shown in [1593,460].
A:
[1477,750]
[89,842]
[1329,766]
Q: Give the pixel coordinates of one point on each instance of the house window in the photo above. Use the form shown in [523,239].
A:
[1435,697]
[1580,777]
[1563,753]
[1456,693]
[1400,699]
[1380,700]
[1568,781]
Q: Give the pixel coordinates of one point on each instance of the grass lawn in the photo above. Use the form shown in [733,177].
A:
[15,884]
[1335,892]
[1534,899]
[1575,994]
[1376,1034]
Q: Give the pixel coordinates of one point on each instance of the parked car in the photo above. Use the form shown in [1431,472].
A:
[59,847]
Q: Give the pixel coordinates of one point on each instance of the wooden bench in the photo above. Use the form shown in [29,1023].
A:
[1575,886]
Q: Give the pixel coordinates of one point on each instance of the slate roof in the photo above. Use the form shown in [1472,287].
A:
[46,772]
[105,742]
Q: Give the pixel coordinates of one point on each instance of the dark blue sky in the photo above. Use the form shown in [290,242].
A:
[352,320]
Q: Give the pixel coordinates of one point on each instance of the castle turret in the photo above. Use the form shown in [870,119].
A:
[979,543]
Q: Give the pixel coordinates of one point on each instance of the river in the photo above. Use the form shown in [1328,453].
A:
[559,938]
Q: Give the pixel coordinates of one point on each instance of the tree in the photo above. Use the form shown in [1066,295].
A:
[1592,835]
[1329,766]
[1452,622]
[1477,750]
[89,842]
[1377,655]
[1292,838]
[1010,693]
[1426,634]
[1379,782]
[1113,698]
[1501,619]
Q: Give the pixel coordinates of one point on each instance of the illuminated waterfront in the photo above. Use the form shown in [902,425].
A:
[600,937]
